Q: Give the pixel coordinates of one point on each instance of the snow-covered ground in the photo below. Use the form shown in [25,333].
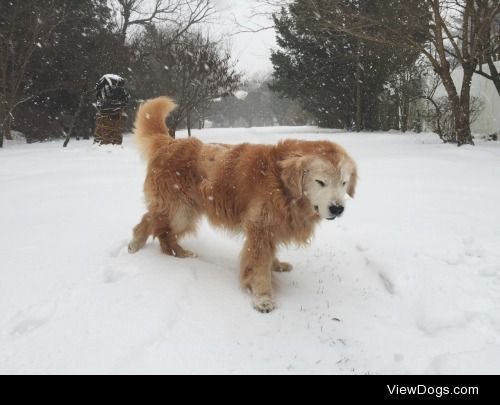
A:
[408,281]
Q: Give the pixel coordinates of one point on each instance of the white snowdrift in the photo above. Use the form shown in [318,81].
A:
[408,281]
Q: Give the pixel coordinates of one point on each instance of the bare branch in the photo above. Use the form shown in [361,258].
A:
[179,14]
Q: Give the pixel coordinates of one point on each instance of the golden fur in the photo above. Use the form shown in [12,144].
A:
[254,189]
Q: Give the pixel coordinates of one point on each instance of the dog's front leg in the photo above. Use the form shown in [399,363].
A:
[257,260]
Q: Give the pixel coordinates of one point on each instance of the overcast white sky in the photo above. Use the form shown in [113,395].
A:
[252,50]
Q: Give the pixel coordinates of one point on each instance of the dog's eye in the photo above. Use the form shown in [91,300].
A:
[321,183]
[344,183]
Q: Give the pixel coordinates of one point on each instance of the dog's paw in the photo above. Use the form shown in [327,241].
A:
[282,267]
[178,252]
[264,305]
[134,247]
[185,254]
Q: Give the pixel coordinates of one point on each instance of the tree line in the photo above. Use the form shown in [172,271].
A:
[353,64]
[53,52]
[361,64]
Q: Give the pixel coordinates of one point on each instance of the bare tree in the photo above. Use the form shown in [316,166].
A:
[181,14]
[260,16]
[467,39]
[193,69]
[206,73]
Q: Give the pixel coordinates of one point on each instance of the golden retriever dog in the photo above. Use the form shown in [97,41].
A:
[273,194]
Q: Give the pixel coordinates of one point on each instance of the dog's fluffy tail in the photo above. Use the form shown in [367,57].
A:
[150,127]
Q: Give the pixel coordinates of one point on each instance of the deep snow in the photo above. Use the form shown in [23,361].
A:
[408,281]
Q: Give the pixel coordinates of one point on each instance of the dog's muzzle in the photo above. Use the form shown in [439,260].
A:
[336,211]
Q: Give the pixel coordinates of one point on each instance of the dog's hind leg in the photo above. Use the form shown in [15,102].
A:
[170,245]
[141,234]
[169,229]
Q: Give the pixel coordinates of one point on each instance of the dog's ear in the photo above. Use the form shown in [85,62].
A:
[353,182]
[293,171]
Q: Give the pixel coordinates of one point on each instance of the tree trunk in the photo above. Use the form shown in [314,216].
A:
[75,120]
[396,124]
[462,126]
[359,113]
[464,134]
[405,113]
[126,13]
[7,128]
[188,121]
[1,128]
[384,115]
[172,131]
[460,106]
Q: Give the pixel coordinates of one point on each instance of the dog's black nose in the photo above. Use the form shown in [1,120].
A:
[336,210]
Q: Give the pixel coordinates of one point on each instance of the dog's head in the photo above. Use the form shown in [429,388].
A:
[324,174]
